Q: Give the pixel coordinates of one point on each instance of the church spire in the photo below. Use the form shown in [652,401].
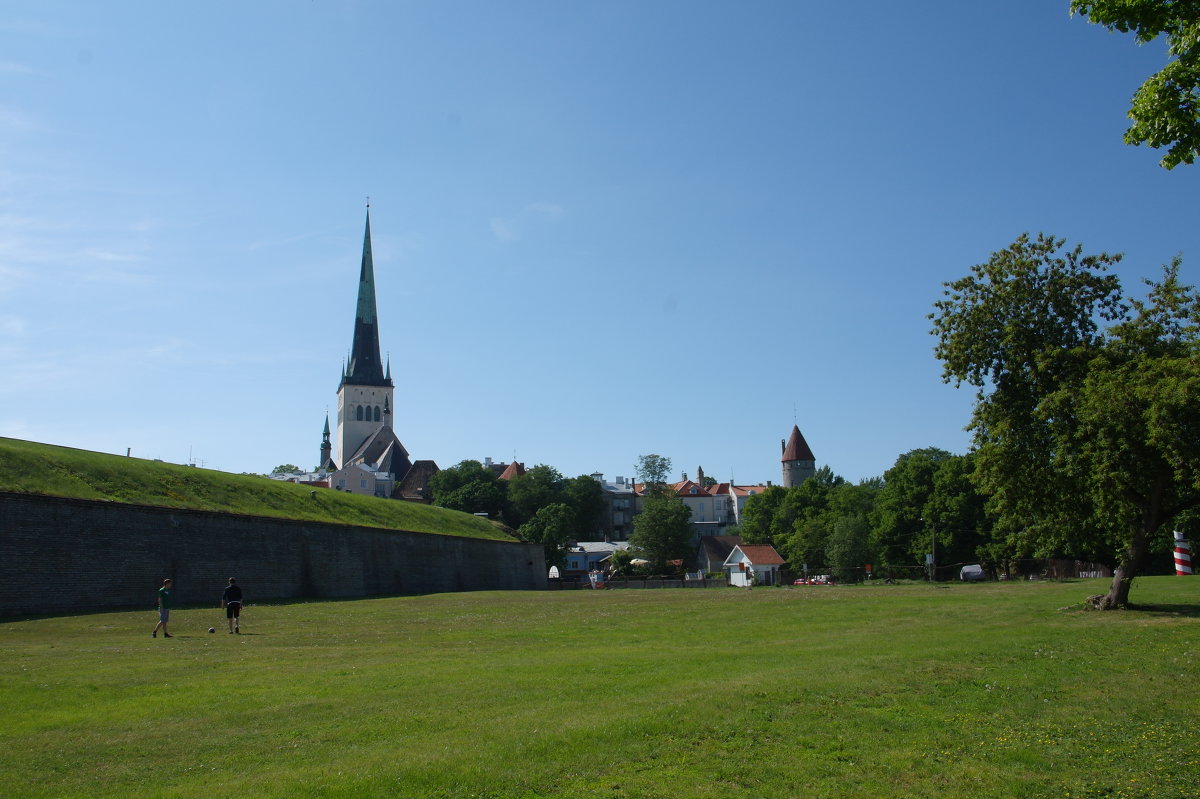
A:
[365,367]
[326,445]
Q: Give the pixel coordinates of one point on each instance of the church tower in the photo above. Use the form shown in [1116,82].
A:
[326,448]
[366,395]
[799,463]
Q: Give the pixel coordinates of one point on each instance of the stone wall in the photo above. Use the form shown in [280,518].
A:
[67,556]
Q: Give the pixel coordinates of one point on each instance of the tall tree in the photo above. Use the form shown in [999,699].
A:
[1087,413]
[662,532]
[653,471]
[901,534]
[848,548]
[802,523]
[470,487]
[586,496]
[759,513]
[528,493]
[955,511]
[1166,109]
[552,526]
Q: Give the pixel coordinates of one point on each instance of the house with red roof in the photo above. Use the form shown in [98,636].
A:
[714,549]
[714,506]
[754,565]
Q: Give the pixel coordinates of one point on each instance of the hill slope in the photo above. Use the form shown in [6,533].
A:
[33,468]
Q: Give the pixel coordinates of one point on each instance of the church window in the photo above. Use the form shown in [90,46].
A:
[359,413]
[377,413]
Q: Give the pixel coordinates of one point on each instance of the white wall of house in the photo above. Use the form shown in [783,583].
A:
[740,569]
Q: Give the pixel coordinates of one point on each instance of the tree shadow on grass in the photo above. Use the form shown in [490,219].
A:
[1190,611]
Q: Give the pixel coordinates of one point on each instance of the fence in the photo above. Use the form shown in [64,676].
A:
[568,584]
[1020,569]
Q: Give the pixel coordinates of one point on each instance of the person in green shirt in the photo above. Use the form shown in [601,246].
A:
[164,609]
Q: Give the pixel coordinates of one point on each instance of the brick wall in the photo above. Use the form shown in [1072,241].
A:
[66,555]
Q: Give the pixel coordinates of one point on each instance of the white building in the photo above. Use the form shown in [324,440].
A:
[754,565]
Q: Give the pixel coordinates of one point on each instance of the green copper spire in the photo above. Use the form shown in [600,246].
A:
[326,446]
[365,367]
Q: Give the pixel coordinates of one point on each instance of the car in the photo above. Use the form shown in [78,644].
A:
[972,573]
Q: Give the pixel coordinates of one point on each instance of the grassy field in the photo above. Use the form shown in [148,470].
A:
[993,690]
[34,468]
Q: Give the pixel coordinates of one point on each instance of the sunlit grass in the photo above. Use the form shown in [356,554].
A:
[28,467]
[965,691]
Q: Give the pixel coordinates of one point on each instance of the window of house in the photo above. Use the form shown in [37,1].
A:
[362,483]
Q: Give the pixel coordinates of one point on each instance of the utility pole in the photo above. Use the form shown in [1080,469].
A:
[931,558]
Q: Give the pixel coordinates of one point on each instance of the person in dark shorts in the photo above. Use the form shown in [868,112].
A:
[231,600]
[164,609]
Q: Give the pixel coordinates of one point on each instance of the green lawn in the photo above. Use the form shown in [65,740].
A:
[993,690]
[30,467]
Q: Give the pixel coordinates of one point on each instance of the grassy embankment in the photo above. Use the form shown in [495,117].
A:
[64,472]
[991,690]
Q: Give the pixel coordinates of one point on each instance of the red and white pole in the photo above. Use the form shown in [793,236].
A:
[1183,554]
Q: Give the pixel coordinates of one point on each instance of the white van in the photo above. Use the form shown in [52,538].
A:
[972,573]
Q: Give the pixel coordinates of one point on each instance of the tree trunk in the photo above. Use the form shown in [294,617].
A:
[1131,563]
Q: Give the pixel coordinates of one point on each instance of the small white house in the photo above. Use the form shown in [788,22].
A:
[754,565]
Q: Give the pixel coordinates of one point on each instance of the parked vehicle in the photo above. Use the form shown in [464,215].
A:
[972,573]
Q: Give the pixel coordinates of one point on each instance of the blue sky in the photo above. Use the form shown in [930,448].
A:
[601,229]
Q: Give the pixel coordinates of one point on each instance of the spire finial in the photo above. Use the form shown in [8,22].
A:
[368,201]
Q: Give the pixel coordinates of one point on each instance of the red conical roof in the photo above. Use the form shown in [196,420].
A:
[797,448]
[513,469]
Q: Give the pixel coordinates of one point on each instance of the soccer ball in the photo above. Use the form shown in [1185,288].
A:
[212,629]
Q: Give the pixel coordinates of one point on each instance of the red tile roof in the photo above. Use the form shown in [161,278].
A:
[763,555]
[513,469]
[684,488]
